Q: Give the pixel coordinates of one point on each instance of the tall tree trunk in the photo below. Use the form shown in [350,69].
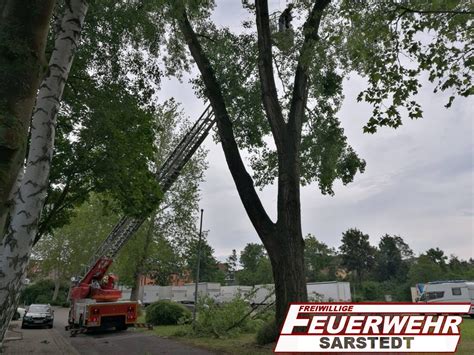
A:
[24,27]
[287,253]
[139,266]
[57,284]
[276,237]
[135,293]
[16,245]
[283,239]
[288,272]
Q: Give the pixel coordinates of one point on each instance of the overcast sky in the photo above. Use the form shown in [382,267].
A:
[418,182]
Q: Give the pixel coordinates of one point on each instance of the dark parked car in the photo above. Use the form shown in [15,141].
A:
[38,315]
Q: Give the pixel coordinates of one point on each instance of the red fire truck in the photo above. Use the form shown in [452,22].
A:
[95,302]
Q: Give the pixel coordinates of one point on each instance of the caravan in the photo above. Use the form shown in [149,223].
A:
[455,291]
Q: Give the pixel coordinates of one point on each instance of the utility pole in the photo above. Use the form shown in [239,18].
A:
[197,270]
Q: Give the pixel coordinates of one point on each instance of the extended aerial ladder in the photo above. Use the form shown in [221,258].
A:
[89,292]
[166,176]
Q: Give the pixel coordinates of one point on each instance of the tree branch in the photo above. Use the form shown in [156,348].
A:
[206,37]
[267,80]
[43,225]
[434,12]
[300,87]
[244,183]
[57,208]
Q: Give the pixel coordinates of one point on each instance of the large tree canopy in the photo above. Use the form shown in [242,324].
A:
[394,45]
[276,93]
[325,154]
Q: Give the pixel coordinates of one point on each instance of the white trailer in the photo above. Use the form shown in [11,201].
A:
[178,293]
[449,291]
[228,293]
[331,291]
[184,294]
[262,294]
[153,293]
[205,289]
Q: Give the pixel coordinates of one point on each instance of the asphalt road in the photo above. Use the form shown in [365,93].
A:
[128,342]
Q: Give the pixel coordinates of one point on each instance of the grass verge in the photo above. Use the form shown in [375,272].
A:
[466,345]
[244,344]
[241,344]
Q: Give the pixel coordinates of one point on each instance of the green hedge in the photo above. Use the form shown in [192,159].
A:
[42,292]
[167,313]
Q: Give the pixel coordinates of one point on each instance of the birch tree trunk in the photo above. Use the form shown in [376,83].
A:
[24,26]
[16,245]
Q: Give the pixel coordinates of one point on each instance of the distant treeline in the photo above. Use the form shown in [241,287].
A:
[389,268]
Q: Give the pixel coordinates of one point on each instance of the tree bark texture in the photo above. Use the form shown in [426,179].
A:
[24,26]
[282,239]
[140,265]
[57,284]
[288,272]
[16,245]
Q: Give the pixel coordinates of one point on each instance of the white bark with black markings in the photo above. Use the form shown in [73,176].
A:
[16,245]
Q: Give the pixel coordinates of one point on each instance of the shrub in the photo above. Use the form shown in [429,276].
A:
[268,333]
[166,313]
[357,298]
[222,319]
[254,325]
[37,290]
[265,313]
[183,331]
[402,292]
[373,291]
[43,299]
[42,292]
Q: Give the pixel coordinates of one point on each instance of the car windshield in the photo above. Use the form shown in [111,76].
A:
[39,309]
